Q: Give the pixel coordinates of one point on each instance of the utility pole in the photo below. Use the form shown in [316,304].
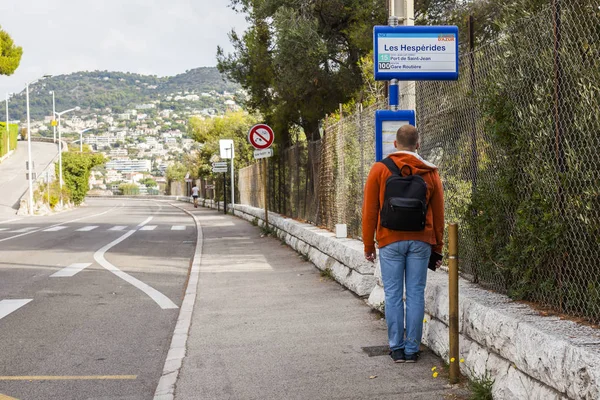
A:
[404,10]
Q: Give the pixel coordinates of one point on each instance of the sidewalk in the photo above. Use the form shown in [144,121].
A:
[266,325]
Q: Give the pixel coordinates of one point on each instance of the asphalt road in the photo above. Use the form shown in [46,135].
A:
[89,299]
[13,179]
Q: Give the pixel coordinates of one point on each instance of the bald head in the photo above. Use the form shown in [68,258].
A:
[407,138]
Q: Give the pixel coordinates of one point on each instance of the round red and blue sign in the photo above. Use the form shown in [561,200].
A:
[261,136]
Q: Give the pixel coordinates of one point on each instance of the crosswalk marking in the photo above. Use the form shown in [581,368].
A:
[23,230]
[8,306]
[70,270]
[118,228]
[178,228]
[87,228]
[148,228]
[55,229]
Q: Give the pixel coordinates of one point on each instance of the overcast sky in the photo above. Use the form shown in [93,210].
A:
[161,37]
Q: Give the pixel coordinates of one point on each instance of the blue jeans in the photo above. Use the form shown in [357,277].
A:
[403,264]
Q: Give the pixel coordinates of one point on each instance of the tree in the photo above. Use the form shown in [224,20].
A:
[10,55]
[299,59]
[176,172]
[233,125]
[76,172]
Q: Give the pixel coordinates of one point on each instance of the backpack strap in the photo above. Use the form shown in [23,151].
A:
[391,165]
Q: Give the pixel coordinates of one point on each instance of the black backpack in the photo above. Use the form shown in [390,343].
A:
[405,201]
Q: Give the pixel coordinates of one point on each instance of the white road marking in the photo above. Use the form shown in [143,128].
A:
[163,301]
[62,223]
[55,229]
[145,222]
[118,228]
[8,306]
[148,228]
[70,270]
[30,228]
[87,228]
[10,220]
[3,229]
[178,228]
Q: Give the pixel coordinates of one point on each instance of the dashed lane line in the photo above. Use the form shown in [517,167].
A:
[118,228]
[71,270]
[178,228]
[62,223]
[148,228]
[87,228]
[11,305]
[23,230]
[5,397]
[55,229]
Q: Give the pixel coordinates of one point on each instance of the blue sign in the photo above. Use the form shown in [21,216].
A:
[413,53]
[387,124]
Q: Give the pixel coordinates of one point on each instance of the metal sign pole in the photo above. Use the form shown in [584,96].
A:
[232,184]
[266,186]
[225,193]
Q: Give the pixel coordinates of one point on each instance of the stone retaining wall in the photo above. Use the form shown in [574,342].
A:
[529,356]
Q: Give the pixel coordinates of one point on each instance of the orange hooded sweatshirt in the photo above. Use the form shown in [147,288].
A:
[374,198]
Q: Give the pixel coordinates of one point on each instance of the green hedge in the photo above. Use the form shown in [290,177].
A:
[14,131]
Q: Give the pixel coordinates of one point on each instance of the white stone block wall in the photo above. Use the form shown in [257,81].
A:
[527,355]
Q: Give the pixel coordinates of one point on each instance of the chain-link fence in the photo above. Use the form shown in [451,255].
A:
[516,140]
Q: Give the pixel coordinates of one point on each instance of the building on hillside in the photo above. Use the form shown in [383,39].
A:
[130,165]
[118,153]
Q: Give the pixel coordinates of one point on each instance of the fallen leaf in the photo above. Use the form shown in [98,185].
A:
[373,377]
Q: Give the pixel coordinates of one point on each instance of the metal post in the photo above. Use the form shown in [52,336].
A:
[7,128]
[232,183]
[453,301]
[225,193]
[474,152]
[266,188]
[30,166]
[404,10]
[54,116]
[60,178]
[48,184]
[81,141]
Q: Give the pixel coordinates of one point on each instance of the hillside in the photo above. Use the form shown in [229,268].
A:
[117,90]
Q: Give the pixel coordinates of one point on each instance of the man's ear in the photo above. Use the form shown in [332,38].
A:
[418,146]
[395,145]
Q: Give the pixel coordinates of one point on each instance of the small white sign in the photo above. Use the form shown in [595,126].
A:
[263,153]
[220,164]
[219,169]
[226,147]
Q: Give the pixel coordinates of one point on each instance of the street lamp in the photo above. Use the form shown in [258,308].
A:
[81,138]
[53,116]
[30,164]
[60,179]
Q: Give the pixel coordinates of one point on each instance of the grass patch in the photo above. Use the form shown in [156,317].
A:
[327,273]
[481,387]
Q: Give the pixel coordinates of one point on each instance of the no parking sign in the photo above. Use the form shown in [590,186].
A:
[261,136]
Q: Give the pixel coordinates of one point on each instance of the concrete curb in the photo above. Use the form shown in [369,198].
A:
[166,385]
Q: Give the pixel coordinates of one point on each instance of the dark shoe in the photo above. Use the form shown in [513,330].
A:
[397,355]
[411,358]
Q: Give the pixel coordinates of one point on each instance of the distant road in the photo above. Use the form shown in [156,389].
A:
[13,182]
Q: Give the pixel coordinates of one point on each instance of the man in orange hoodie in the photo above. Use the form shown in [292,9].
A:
[404,256]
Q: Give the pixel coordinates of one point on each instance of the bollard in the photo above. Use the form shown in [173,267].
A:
[453,301]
